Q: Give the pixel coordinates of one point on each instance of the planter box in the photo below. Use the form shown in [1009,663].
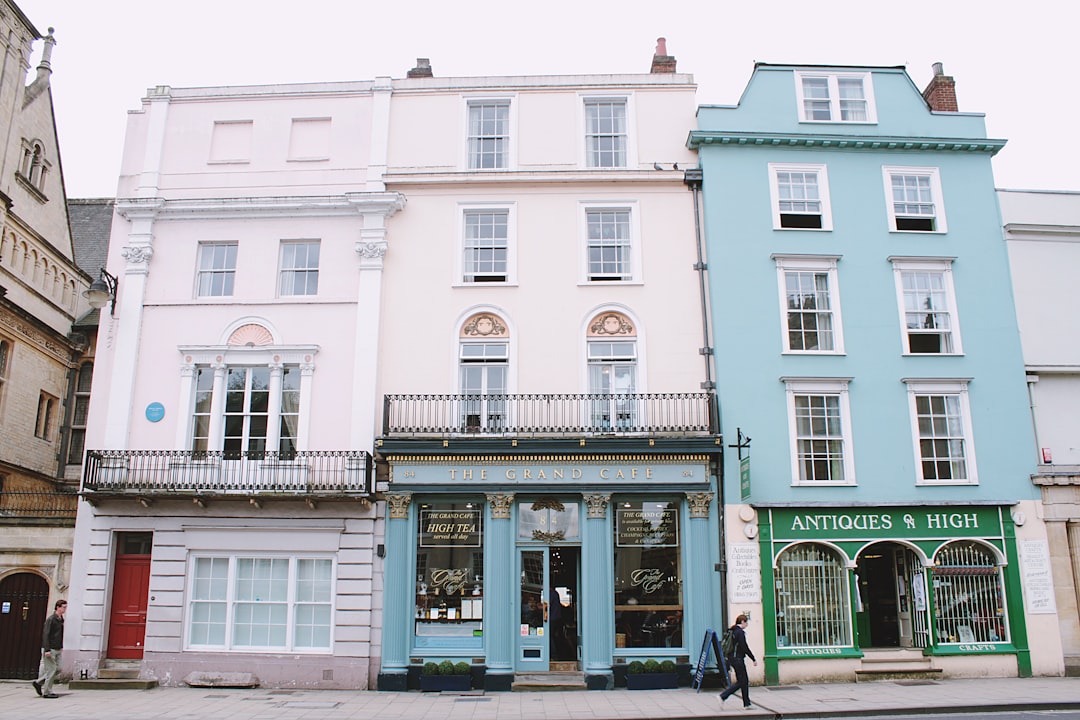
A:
[438,683]
[652,681]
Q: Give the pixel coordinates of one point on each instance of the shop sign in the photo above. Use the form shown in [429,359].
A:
[653,527]
[570,475]
[974,648]
[913,523]
[460,528]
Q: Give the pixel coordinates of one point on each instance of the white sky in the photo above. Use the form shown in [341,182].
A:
[1014,60]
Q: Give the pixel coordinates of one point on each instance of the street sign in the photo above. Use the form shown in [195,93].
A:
[744,477]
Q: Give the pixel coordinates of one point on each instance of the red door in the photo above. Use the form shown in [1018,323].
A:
[131,587]
[24,600]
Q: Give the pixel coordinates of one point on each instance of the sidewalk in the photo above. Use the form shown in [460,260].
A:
[19,702]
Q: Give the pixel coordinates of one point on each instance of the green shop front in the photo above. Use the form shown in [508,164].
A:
[526,564]
[936,581]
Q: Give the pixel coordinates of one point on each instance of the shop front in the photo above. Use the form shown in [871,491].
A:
[935,585]
[525,565]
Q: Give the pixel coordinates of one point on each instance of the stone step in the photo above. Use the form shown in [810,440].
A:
[113,684]
[549,682]
[885,672]
[107,673]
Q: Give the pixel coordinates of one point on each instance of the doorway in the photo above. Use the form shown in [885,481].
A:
[548,637]
[24,601]
[892,597]
[131,587]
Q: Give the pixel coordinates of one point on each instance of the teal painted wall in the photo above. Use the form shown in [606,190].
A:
[746,311]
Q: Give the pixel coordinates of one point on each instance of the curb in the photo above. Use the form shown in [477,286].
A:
[920,710]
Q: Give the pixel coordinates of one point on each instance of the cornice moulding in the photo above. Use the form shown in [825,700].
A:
[699,138]
[260,207]
[472,177]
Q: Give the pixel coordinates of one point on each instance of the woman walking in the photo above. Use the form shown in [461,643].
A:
[738,661]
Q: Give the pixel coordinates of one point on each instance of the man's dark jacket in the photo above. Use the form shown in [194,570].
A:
[52,637]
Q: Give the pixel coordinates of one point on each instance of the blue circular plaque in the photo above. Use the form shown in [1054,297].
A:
[155,411]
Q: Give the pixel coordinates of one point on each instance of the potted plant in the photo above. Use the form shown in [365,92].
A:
[447,675]
[651,675]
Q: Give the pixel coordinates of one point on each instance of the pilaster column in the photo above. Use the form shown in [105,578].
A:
[499,584]
[597,593]
[398,606]
[698,600]
[216,433]
[273,406]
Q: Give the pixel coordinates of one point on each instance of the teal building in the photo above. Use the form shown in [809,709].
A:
[880,515]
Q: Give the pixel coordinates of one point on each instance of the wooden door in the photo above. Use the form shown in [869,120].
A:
[131,587]
[24,601]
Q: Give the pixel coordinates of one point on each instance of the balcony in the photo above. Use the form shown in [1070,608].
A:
[202,475]
[38,507]
[550,415]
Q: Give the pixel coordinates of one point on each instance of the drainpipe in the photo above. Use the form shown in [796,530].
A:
[693,177]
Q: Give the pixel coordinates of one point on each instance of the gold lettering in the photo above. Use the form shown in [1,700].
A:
[575,474]
[466,474]
[452,472]
[604,472]
[510,474]
[648,473]
[558,474]
[526,474]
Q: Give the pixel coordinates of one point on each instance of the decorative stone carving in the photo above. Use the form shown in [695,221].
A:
[137,254]
[483,325]
[371,250]
[500,505]
[399,505]
[597,503]
[699,503]
[611,324]
[252,334]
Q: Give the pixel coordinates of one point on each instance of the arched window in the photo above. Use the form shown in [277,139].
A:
[5,363]
[812,607]
[612,359]
[483,358]
[969,597]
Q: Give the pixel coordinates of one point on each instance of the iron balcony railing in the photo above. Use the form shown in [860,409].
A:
[551,415]
[187,472]
[45,505]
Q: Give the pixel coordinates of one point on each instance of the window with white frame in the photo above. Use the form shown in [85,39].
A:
[278,604]
[612,384]
[486,245]
[217,269]
[484,366]
[259,411]
[605,132]
[299,268]
[969,595]
[914,199]
[835,97]
[610,244]
[941,430]
[812,598]
[927,302]
[819,422]
[809,303]
[489,134]
[800,197]
[5,366]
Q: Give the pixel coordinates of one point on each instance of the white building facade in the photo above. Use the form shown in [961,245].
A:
[299,359]
[1042,230]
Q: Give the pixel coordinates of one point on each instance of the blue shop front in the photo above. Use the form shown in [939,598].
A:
[528,563]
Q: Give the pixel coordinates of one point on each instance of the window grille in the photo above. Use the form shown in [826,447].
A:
[812,608]
[969,600]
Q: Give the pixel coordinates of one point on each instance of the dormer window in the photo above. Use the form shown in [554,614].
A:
[835,97]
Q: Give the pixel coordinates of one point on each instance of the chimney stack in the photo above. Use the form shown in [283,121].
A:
[422,69]
[940,94]
[661,61]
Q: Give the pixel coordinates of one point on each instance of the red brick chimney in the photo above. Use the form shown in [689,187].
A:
[422,69]
[940,94]
[661,61]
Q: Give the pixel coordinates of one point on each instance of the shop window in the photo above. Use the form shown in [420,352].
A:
[812,608]
[648,575]
[261,603]
[449,573]
[969,599]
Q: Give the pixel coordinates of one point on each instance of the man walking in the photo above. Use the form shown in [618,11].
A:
[738,661]
[52,644]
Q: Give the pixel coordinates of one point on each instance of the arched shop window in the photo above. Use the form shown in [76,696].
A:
[812,608]
[648,574]
[969,599]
